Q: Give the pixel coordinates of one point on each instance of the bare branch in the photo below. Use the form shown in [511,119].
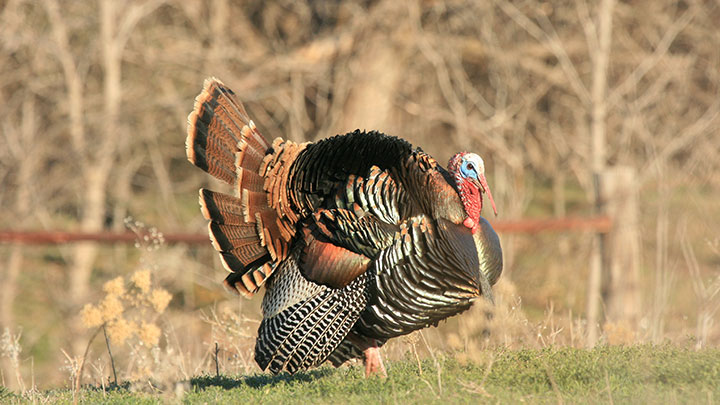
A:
[132,17]
[650,62]
[73,80]
[703,126]
[552,41]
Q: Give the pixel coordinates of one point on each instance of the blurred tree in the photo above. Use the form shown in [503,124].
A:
[96,95]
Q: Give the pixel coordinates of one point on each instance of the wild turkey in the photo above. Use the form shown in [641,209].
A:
[357,238]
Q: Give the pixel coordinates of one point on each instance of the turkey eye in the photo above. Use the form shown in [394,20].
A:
[470,166]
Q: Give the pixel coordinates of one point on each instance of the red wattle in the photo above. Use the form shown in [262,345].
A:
[469,223]
[472,200]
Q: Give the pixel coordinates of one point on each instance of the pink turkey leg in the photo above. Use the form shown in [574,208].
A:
[373,362]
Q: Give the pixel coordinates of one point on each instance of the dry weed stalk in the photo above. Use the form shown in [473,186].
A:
[73,367]
[99,368]
[112,359]
[412,340]
[436,361]
[708,293]
[10,346]
[231,335]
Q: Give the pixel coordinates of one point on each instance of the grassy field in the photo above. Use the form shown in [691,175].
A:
[637,374]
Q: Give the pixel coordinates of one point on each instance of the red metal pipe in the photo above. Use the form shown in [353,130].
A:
[597,224]
[59,237]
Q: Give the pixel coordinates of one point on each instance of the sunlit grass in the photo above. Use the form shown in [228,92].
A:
[607,374]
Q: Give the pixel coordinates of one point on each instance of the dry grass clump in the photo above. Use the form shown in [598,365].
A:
[130,316]
[11,349]
[474,336]
[129,310]
[484,326]
[232,338]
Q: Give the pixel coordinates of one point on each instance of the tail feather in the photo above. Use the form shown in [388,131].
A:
[221,208]
[230,240]
[249,180]
[229,236]
[248,283]
[253,137]
[251,152]
[253,202]
[273,234]
[239,243]
[212,140]
[221,136]
[211,158]
[223,141]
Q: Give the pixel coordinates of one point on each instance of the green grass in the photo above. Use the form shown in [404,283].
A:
[638,374]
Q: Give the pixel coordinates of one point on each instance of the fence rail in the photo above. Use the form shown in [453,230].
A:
[597,224]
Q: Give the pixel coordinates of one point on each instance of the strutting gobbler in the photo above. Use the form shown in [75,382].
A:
[357,238]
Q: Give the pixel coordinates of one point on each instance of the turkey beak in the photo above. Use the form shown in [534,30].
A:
[485,188]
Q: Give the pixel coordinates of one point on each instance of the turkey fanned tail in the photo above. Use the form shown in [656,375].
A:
[223,141]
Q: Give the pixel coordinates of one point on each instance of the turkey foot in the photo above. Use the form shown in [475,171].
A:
[373,362]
